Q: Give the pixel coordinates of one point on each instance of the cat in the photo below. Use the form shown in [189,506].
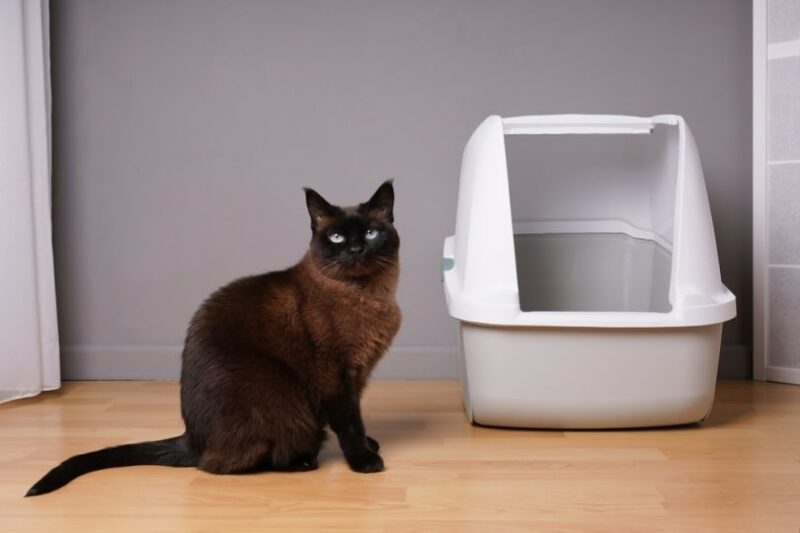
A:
[270,360]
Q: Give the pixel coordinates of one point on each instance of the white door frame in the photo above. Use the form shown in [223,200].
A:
[762,52]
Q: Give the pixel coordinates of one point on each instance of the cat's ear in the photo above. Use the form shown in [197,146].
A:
[382,202]
[318,207]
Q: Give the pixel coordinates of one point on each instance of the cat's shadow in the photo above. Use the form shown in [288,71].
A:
[388,432]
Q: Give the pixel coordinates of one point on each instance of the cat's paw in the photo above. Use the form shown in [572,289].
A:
[365,462]
[372,445]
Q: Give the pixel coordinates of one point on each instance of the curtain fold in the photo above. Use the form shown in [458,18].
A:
[29,351]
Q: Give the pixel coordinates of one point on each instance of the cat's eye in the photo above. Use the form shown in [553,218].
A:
[336,238]
[371,234]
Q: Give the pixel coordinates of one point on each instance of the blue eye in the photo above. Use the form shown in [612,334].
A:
[371,234]
[336,238]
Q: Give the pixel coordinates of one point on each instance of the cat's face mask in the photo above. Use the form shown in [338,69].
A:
[353,241]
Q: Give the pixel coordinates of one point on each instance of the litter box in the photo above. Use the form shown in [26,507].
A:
[583,273]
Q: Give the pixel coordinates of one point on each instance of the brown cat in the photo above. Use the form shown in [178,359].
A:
[270,360]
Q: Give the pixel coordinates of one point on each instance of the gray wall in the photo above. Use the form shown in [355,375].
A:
[183,131]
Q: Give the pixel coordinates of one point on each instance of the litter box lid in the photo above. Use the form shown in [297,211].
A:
[479,269]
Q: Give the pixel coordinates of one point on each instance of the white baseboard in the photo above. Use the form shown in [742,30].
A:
[783,374]
[402,362]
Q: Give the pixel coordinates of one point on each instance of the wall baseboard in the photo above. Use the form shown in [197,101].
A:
[133,362]
[419,362]
[137,362]
[735,361]
[402,362]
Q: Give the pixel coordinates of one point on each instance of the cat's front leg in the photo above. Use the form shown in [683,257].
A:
[344,413]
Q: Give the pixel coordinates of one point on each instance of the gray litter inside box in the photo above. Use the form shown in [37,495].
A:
[592,272]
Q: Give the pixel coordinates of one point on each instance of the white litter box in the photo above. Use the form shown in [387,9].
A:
[584,274]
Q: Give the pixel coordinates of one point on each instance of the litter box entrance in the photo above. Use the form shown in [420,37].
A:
[593,218]
[592,272]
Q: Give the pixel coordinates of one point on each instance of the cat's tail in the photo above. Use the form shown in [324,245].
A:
[167,452]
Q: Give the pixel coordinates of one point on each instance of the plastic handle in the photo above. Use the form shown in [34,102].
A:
[580,124]
[447,264]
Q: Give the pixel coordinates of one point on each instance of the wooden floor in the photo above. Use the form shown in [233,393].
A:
[739,471]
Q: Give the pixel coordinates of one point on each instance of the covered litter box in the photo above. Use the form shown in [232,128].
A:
[584,275]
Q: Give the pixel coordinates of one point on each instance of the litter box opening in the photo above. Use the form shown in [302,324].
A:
[593,218]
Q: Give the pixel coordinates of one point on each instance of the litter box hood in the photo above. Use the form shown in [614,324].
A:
[663,201]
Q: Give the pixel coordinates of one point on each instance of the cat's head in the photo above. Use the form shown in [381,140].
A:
[353,242]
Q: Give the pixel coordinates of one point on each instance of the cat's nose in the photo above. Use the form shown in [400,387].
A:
[355,248]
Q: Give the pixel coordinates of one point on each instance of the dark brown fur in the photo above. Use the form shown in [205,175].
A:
[270,360]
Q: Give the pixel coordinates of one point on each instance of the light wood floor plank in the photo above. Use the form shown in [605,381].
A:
[739,471]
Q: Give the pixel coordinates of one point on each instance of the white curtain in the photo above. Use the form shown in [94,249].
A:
[29,357]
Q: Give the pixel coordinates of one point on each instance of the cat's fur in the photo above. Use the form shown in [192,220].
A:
[270,360]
